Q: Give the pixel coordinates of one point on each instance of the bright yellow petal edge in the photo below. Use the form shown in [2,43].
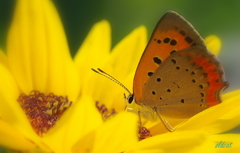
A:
[116,135]
[3,59]
[170,142]
[213,44]
[96,47]
[11,138]
[215,114]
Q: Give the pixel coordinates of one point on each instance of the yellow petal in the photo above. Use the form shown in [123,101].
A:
[173,142]
[95,49]
[230,119]
[214,113]
[85,118]
[122,62]
[213,44]
[38,52]
[121,131]
[116,135]
[220,143]
[79,120]
[55,137]
[127,53]
[93,53]
[10,110]
[3,59]
[85,144]
[11,138]
[230,95]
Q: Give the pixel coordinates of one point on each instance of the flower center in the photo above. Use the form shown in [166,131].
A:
[43,111]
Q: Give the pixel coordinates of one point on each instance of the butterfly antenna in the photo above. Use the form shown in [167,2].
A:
[101,72]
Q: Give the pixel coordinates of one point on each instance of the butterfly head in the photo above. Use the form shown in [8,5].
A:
[129,99]
[131,105]
[130,102]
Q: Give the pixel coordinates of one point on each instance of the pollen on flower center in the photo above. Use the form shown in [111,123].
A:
[43,111]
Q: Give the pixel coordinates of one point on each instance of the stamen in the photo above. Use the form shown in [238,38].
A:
[104,111]
[43,111]
[143,133]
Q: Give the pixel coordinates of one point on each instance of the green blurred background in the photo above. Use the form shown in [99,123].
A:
[218,17]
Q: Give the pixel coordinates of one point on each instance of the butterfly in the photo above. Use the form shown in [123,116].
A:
[177,76]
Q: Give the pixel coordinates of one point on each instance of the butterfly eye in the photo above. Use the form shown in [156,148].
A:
[130,98]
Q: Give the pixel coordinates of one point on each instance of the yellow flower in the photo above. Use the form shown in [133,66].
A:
[37,73]
[37,58]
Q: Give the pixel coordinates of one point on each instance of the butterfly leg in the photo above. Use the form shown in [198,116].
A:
[165,122]
[140,121]
[143,132]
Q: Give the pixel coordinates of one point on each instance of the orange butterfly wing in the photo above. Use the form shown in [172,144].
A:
[171,34]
